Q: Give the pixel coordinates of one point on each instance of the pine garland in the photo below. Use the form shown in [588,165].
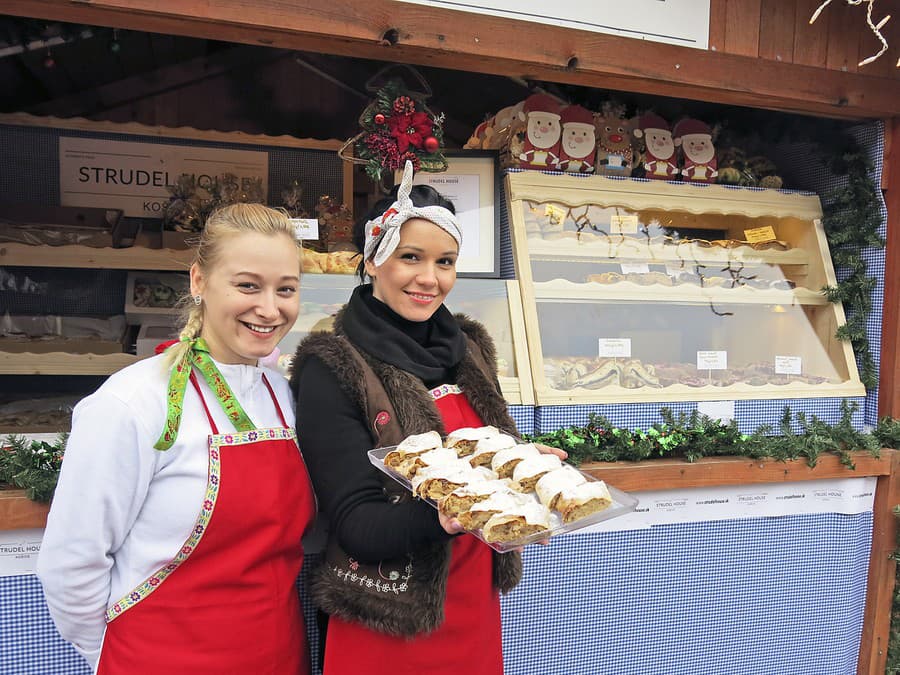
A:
[32,465]
[851,220]
[694,435]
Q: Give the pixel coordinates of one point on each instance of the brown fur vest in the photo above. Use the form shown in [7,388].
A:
[402,597]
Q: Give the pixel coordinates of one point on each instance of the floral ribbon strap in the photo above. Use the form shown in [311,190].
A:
[198,357]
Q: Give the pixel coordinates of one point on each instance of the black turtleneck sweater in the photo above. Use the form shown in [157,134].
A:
[334,438]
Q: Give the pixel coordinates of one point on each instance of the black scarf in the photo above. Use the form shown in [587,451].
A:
[427,349]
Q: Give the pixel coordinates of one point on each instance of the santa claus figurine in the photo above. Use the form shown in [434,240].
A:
[578,144]
[541,116]
[659,157]
[695,139]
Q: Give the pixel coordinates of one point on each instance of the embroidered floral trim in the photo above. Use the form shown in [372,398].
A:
[445,390]
[350,576]
[206,511]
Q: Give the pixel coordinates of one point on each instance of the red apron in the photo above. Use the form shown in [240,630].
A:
[469,641]
[227,602]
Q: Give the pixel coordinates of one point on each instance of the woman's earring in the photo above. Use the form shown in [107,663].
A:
[197,300]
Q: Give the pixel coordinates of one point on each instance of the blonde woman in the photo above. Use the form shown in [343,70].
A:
[173,541]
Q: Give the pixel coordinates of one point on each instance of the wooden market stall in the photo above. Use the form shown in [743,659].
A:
[761,54]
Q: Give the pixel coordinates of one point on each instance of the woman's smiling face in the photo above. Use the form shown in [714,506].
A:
[250,296]
[419,274]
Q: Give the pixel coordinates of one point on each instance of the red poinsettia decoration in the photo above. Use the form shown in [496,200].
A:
[410,129]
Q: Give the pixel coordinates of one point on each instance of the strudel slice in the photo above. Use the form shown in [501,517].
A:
[462,499]
[412,446]
[530,469]
[409,466]
[516,523]
[551,484]
[480,512]
[434,482]
[463,440]
[505,460]
[486,448]
[583,500]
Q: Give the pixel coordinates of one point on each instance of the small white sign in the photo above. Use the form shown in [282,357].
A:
[675,271]
[306,228]
[19,551]
[623,225]
[788,365]
[712,360]
[717,410]
[615,347]
[635,268]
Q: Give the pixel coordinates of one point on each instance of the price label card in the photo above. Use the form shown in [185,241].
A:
[712,360]
[788,365]
[623,225]
[758,234]
[556,214]
[615,347]
[717,410]
[635,268]
[675,271]
[306,228]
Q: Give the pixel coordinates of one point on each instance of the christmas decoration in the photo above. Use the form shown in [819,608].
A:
[615,156]
[659,154]
[335,225]
[578,142]
[190,205]
[876,28]
[291,196]
[31,465]
[397,126]
[697,150]
[694,436]
[542,132]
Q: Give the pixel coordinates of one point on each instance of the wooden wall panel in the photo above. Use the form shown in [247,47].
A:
[717,14]
[776,30]
[742,23]
[810,42]
[843,42]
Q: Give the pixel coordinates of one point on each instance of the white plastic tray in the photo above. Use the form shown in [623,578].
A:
[622,503]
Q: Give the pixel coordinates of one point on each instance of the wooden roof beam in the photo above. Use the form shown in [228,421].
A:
[395,31]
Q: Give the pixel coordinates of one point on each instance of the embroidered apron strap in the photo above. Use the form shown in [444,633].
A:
[198,357]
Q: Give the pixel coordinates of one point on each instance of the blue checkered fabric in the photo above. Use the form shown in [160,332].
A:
[756,595]
[748,414]
[29,643]
[760,596]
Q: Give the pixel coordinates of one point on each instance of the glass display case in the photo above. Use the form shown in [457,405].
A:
[493,302]
[654,291]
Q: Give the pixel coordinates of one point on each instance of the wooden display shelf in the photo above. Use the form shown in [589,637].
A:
[565,290]
[131,258]
[618,249]
[61,363]
[638,195]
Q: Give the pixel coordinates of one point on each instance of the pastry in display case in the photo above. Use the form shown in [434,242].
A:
[494,303]
[654,291]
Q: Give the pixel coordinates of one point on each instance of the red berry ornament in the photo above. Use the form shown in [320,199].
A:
[432,144]
[379,119]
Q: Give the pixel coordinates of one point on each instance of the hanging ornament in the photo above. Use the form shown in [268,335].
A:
[432,144]
[49,61]
[397,126]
